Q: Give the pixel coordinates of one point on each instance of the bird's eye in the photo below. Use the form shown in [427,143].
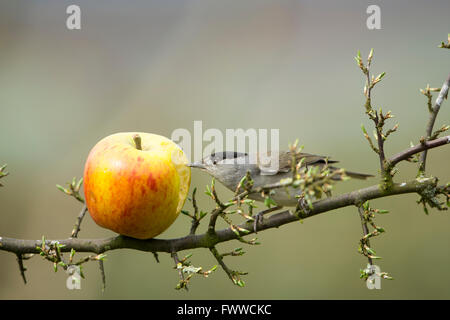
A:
[214,162]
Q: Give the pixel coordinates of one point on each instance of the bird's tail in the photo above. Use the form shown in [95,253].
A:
[356,175]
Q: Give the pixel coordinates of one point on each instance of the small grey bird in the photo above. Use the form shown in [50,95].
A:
[230,167]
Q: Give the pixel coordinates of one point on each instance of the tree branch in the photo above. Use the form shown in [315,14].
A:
[208,240]
[434,112]
[406,154]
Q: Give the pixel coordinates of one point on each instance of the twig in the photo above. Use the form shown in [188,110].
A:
[102,273]
[219,259]
[73,190]
[215,196]
[78,223]
[89,258]
[233,275]
[195,219]
[213,219]
[377,117]
[220,208]
[180,270]
[365,229]
[433,114]
[406,154]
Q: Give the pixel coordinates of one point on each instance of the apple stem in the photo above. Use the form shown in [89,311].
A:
[137,141]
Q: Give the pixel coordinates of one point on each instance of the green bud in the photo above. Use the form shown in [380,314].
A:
[61,188]
[241,283]
[186,213]
[366,205]
[77,188]
[243,230]
[213,268]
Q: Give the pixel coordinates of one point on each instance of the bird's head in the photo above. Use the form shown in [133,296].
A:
[226,166]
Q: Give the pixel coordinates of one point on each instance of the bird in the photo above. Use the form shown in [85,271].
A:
[229,167]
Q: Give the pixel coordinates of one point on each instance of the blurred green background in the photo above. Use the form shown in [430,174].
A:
[155,66]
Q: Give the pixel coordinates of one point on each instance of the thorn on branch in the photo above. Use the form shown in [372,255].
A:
[22,268]
[155,255]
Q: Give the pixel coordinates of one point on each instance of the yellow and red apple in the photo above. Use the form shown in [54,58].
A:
[136,183]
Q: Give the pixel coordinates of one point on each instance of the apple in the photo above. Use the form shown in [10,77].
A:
[136,183]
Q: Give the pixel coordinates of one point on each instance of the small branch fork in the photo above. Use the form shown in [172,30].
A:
[443,94]
[197,216]
[184,266]
[235,276]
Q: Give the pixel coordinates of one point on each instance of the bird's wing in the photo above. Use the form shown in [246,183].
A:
[285,158]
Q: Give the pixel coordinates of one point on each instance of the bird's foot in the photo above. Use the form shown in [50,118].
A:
[302,206]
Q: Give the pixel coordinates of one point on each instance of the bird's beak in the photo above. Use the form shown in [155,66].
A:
[199,165]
